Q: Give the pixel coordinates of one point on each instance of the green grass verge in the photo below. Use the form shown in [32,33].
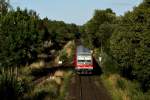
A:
[120,88]
[64,88]
[123,89]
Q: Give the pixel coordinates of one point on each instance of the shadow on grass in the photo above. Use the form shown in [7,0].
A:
[38,73]
[40,95]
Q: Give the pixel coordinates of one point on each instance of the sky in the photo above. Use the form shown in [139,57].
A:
[74,11]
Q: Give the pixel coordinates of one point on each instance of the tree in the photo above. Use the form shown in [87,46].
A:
[130,45]
[4,6]
[20,38]
[99,28]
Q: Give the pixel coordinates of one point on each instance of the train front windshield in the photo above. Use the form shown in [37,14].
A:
[83,55]
[84,59]
[84,62]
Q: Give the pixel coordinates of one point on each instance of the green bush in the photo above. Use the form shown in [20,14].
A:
[63,56]
[121,84]
[108,64]
[65,85]
[122,89]
[12,88]
[71,57]
[48,90]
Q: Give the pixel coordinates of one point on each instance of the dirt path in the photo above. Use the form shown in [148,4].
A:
[87,88]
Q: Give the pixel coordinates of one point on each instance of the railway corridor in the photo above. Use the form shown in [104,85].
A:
[87,88]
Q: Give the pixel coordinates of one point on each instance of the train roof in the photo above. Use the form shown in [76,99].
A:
[82,50]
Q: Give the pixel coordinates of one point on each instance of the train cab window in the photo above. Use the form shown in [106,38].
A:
[81,61]
[84,61]
[88,61]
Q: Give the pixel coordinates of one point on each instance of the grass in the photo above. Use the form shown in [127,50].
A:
[19,84]
[48,90]
[64,88]
[123,89]
[67,53]
[24,73]
[120,88]
[51,90]
[11,86]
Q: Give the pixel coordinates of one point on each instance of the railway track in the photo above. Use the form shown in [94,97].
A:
[86,88]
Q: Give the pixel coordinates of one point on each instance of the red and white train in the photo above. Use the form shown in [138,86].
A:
[83,60]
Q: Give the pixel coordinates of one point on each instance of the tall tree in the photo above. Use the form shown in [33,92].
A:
[99,27]
[130,45]
[4,6]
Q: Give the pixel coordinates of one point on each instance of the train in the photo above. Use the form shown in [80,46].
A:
[83,60]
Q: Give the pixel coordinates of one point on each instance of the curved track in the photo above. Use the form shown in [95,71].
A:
[87,88]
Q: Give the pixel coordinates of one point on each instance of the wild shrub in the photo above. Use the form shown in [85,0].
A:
[11,87]
[108,64]
[121,83]
[63,56]
[48,90]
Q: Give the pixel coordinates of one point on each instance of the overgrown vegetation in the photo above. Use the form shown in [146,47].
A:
[63,56]
[24,37]
[123,89]
[67,53]
[65,87]
[130,45]
[11,86]
[50,89]
[124,43]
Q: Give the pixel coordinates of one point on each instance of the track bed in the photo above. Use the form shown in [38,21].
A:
[87,88]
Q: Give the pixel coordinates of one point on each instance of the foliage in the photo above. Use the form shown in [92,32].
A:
[121,84]
[124,39]
[130,45]
[20,39]
[45,91]
[123,89]
[99,28]
[109,65]
[65,87]
[4,6]
[23,35]
[11,87]
[63,56]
